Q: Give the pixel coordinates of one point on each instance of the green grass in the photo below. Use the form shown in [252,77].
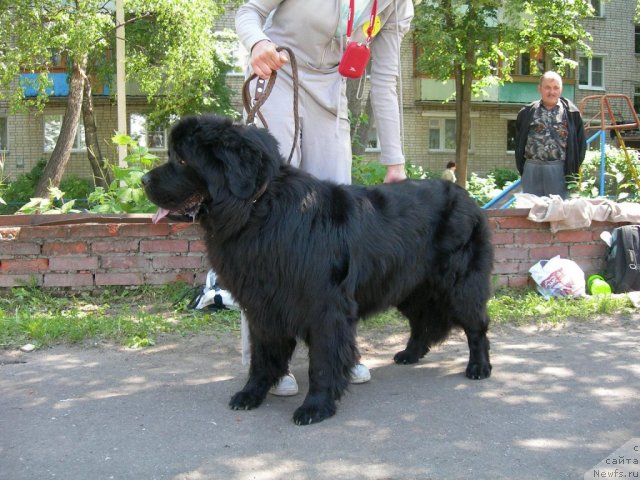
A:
[136,317]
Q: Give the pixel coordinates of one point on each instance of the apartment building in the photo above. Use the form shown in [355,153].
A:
[429,122]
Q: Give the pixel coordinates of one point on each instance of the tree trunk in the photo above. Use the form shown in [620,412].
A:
[101,176]
[359,129]
[53,171]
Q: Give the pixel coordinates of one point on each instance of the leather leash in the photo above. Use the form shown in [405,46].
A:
[263,90]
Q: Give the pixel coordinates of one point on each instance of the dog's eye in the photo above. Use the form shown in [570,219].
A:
[182,162]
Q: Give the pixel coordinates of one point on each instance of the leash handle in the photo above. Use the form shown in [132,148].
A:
[263,90]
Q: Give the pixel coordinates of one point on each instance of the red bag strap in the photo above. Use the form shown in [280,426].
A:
[372,18]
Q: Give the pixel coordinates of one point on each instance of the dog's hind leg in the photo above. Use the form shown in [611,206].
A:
[269,362]
[429,326]
[332,355]
[472,316]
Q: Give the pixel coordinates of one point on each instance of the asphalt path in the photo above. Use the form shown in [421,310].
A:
[559,401]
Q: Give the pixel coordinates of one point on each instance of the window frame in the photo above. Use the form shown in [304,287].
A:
[4,133]
[135,136]
[590,85]
[372,129]
[598,9]
[79,143]
[442,137]
[510,119]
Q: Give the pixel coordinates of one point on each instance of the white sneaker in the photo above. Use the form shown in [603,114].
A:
[286,386]
[360,373]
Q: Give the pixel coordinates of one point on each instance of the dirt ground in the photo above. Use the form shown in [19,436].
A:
[560,400]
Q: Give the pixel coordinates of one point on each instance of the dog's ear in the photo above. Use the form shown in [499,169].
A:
[250,156]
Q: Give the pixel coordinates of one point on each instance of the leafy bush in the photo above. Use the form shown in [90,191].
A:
[125,193]
[372,173]
[17,193]
[482,189]
[504,176]
[54,203]
[620,177]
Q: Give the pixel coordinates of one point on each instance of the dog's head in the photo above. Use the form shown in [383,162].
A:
[211,159]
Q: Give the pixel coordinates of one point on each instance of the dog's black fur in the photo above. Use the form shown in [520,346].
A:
[307,258]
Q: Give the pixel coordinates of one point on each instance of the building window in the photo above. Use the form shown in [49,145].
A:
[153,139]
[637,42]
[52,126]
[636,99]
[4,135]
[511,135]
[591,72]
[373,142]
[598,10]
[442,134]
[525,66]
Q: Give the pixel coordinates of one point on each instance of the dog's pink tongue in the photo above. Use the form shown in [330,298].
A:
[159,215]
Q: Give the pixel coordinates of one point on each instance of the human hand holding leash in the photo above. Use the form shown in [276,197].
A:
[265,58]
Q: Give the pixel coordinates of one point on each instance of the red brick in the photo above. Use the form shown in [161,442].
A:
[502,238]
[64,248]
[169,277]
[574,236]
[144,230]
[24,265]
[119,279]
[515,282]
[9,248]
[177,262]
[7,281]
[545,253]
[588,250]
[68,280]
[115,246]
[124,262]
[34,232]
[530,237]
[167,246]
[95,230]
[510,253]
[508,223]
[63,264]
[501,268]
[186,230]
[197,246]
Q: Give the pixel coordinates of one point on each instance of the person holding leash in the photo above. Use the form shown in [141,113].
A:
[323,37]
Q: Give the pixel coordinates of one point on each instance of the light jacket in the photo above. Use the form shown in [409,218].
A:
[309,29]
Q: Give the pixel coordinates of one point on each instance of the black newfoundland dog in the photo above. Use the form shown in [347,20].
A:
[307,258]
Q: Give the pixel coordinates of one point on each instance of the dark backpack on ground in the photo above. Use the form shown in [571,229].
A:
[623,260]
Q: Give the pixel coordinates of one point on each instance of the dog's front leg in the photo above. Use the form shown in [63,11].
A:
[269,362]
[332,355]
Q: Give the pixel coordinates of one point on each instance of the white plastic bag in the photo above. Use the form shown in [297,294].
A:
[558,277]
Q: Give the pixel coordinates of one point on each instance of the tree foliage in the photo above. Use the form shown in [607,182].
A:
[477,42]
[172,53]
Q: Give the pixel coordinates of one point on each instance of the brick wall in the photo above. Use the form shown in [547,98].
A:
[83,251]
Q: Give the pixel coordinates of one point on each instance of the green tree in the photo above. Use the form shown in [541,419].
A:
[476,43]
[171,52]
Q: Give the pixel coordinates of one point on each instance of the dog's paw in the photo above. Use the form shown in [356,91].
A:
[245,401]
[306,415]
[406,357]
[478,371]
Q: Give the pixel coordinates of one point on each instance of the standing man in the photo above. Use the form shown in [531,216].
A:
[550,140]
[316,32]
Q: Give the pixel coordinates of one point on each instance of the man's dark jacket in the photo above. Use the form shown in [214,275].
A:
[576,142]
